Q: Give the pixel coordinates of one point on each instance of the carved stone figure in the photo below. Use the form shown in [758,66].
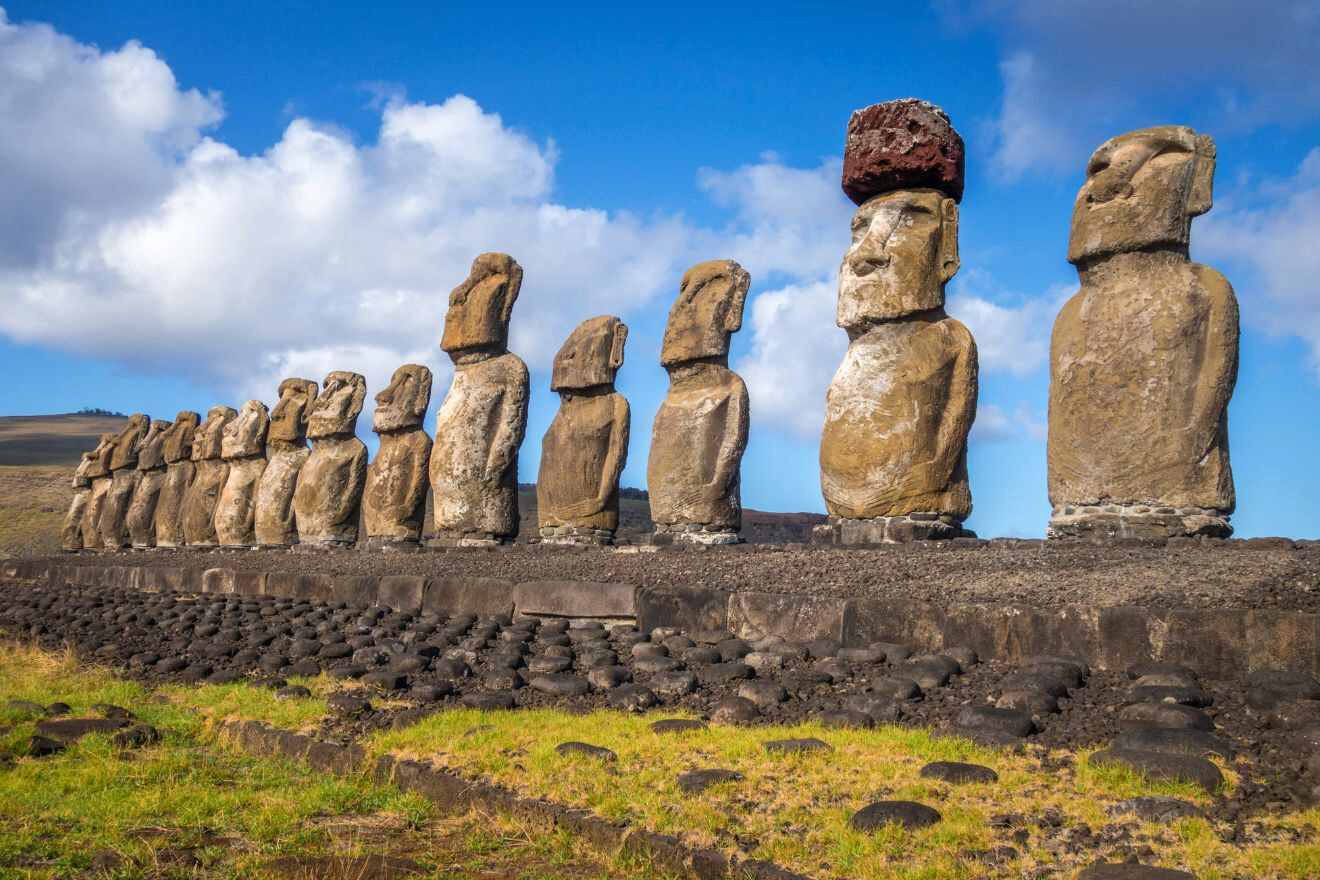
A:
[286,453]
[243,447]
[71,536]
[328,495]
[586,447]
[123,480]
[208,479]
[177,448]
[480,425]
[98,474]
[694,473]
[1144,357]
[151,476]
[394,503]
[893,453]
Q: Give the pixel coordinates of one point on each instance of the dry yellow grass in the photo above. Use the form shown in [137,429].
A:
[33,502]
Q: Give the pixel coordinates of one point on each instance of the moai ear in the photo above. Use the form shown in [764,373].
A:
[359,394]
[733,316]
[616,350]
[948,239]
[422,395]
[514,285]
[1201,196]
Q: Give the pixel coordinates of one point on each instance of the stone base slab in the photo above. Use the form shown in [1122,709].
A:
[848,532]
[391,545]
[704,534]
[1117,521]
[576,536]
[447,540]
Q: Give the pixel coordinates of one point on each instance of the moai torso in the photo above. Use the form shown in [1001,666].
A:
[328,496]
[98,478]
[124,478]
[176,449]
[394,501]
[71,535]
[286,453]
[151,476]
[211,471]
[243,447]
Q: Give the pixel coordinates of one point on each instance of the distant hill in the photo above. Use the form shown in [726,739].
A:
[53,440]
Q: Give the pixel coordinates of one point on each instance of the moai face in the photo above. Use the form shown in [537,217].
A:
[178,442]
[245,436]
[708,310]
[126,444]
[904,250]
[208,440]
[403,403]
[1142,190]
[480,307]
[591,355]
[337,407]
[151,454]
[288,421]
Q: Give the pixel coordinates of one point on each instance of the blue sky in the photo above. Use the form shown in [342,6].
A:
[207,199]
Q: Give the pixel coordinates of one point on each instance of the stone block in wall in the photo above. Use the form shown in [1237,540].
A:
[282,584]
[689,608]
[1129,635]
[360,590]
[795,618]
[575,599]
[401,592]
[469,595]
[1211,641]
[218,580]
[1283,640]
[918,624]
[314,588]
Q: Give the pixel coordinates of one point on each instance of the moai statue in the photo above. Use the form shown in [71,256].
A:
[586,447]
[893,453]
[286,453]
[151,476]
[480,425]
[177,449]
[243,447]
[211,471]
[328,496]
[98,474]
[124,476]
[694,473]
[394,502]
[1144,357]
[71,536]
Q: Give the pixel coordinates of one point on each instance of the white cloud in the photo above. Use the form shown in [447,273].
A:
[1013,339]
[1026,133]
[994,424]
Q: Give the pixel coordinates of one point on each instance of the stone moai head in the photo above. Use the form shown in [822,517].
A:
[151,453]
[86,465]
[125,452]
[591,355]
[707,312]
[337,408]
[1142,190]
[245,436]
[402,404]
[178,442]
[903,166]
[288,421]
[480,307]
[208,440]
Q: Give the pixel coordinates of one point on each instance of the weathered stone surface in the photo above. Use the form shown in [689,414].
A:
[113,522]
[1163,766]
[1144,357]
[71,535]
[97,473]
[694,473]
[575,599]
[286,453]
[1132,871]
[909,814]
[958,773]
[209,477]
[141,518]
[394,501]
[586,446]
[903,144]
[697,781]
[758,615]
[243,447]
[328,494]
[176,448]
[480,425]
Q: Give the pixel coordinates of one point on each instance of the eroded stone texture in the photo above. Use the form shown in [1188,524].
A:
[394,502]
[113,523]
[141,519]
[71,536]
[176,448]
[1144,357]
[586,446]
[286,452]
[98,475]
[210,473]
[893,453]
[243,447]
[328,495]
[694,472]
[480,424]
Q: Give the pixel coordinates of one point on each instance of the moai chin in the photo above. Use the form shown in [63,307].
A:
[694,472]
[1144,357]
[71,535]
[328,495]
[243,447]
[586,446]
[394,503]
[209,475]
[286,453]
[893,453]
[124,476]
[98,475]
[480,424]
[141,519]
[176,450]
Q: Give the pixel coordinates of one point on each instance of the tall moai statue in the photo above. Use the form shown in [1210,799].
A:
[71,536]
[123,480]
[1144,357]
[586,446]
[286,453]
[211,471]
[480,425]
[893,454]
[328,497]
[151,476]
[177,449]
[98,474]
[394,503]
[694,472]
[243,447]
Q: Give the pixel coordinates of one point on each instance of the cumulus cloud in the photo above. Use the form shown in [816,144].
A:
[1012,331]
[995,424]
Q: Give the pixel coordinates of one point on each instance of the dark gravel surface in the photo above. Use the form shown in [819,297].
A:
[1260,573]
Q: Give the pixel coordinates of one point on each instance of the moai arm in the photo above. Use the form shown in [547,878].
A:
[346,503]
[616,455]
[736,420]
[1221,357]
[959,411]
[509,426]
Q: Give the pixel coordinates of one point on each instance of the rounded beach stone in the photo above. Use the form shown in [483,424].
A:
[1162,766]
[489,702]
[843,718]
[959,773]
[797,746]
[677,725]
[673,684]
[560,685]
[1156,809]
[1171,715]
[762,693]
[574,747]
[1131,871]
[697,781]
[1179,741]
[1012,722]
[734,710]
[292,692]
[909,814]
[632,698]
